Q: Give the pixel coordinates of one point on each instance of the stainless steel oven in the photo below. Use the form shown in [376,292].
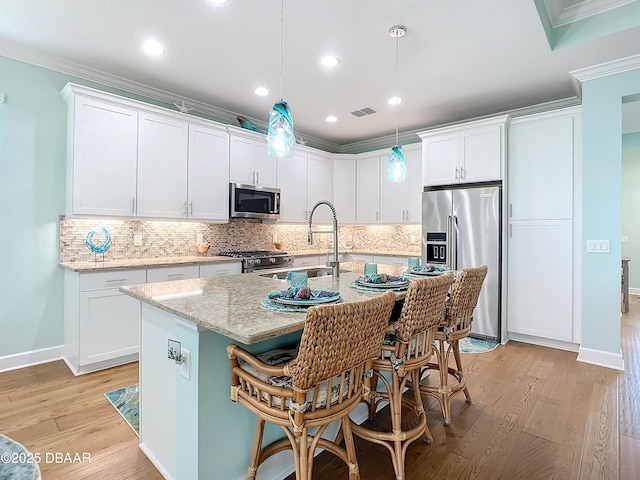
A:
[257,260]
[249,201]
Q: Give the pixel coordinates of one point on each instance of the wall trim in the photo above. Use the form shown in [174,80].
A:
[543,342]
[634,291]
[601,358]
[163,471]
[30,358]
[606,69]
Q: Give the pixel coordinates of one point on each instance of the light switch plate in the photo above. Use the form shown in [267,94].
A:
[137,240]
[625,239]
[598,246]
[199,238]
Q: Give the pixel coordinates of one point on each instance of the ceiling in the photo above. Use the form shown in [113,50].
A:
[458,60]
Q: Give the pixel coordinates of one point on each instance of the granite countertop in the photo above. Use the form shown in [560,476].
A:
[144,263]
[230,305]
[395,253]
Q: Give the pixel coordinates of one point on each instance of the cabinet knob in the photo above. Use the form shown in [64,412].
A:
[456,173]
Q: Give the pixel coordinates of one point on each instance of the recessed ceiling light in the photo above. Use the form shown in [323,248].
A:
[152,47]
[331,119]
[329,61]
[394,101]
[261,92]
[217,2]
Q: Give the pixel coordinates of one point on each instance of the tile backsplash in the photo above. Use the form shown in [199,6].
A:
[174,239]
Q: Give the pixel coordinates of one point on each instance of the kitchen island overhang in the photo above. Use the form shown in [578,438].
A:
[189,428]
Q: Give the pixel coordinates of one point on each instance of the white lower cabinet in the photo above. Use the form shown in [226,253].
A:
[220,269]
[309,260]
[540,279]
[392,260]
[101,325]
[169,274]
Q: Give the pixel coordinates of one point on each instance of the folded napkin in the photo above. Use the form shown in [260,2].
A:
[377,279]
[293,293]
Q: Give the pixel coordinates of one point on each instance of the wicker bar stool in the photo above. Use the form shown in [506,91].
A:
[323,383]
[405,351]
[456,325]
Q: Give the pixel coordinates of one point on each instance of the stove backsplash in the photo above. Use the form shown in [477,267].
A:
[175,239]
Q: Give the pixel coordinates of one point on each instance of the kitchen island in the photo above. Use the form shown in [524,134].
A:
[189,428]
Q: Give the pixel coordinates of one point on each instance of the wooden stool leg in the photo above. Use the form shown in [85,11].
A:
[456,353]
[395,406]
[255,450]
[443,366]
[350,447]
[417,397]
[372,399]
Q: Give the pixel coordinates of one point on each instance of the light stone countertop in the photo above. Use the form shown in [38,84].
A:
[123,264]
[230,305]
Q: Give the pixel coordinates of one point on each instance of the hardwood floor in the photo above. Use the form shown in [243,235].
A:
[536,414]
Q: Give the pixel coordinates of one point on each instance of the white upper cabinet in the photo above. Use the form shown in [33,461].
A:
[127,158]
[249,160]
[541,158]
[208,173]
[292,182]
[162,163]
[465,153]
[344,188]
[368,189]
[320,187]
[101,155]
[401,202]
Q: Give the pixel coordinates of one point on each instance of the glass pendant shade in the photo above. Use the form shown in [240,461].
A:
[397,165]
[280,135]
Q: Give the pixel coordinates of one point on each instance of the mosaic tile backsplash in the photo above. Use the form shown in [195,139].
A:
[174,239]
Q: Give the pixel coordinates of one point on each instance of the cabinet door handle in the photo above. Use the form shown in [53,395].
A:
[190,208]
[408,215]
[257,179]
[184,208]
[175,275]
[133,205]
[461,173]
[510,210]
[456,173]
[117,280]
[510,231]
[253,177]
[377,215]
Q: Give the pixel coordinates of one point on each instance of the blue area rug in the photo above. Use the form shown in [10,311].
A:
[474,345]
[16,462]
[125,401]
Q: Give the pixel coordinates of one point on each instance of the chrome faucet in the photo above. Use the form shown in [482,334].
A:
[335,265]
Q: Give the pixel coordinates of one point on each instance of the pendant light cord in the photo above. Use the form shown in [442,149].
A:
[397,83]
[281,42]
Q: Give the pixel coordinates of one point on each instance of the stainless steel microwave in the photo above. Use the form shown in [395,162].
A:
[249,201]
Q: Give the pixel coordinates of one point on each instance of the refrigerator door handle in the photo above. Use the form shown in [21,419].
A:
[449,243]
[454,242]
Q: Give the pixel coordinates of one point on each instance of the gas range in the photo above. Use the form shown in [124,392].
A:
[260,259]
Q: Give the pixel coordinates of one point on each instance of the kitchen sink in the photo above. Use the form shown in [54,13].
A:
[311,273]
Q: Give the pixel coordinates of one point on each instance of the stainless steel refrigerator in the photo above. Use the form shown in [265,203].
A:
[461,227]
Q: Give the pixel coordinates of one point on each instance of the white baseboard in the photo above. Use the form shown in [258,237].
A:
[634,291]
[94,367]
[155,462]
[543,342]
[601,358]
[32,357]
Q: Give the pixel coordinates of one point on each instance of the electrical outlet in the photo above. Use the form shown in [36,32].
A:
[137,240]
[185,366]
[199,238]
[625,239]
[350,238]
[275,239]
[413,239]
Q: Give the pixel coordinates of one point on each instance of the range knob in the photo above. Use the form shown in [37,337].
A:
[288,259]
[257,261]
[251,261]
[272,260]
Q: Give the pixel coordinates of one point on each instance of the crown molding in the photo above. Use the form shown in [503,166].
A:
[605,69]
[581,10]
[85,73]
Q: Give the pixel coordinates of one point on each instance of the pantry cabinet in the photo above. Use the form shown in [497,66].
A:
[543,157]
[464,153]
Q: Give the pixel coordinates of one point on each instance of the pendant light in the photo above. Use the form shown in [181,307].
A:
[397,164]
[280,134]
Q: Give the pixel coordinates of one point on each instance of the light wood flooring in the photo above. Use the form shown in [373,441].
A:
[536,414]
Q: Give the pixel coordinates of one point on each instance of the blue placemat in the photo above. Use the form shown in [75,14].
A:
[357,286]
[279,307]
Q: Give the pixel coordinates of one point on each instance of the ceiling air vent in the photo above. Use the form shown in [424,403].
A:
[364,111]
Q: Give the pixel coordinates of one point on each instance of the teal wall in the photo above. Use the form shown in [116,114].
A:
[602,206]
[33,126]
[32,195]
[631,205]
